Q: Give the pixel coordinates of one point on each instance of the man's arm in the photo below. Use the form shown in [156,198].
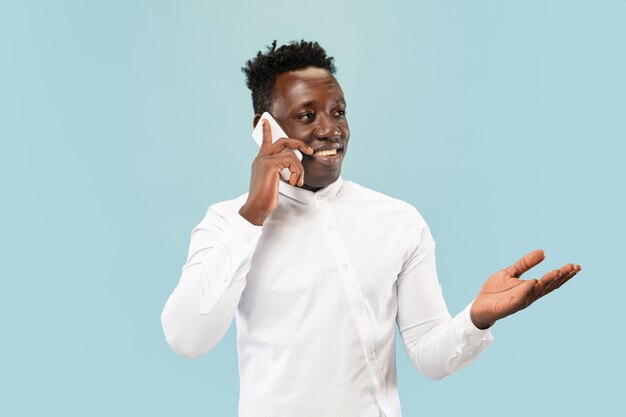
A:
[203,305]
[437,344]
[201,308]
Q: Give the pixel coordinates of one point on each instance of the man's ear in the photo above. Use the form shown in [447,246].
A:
[256,119]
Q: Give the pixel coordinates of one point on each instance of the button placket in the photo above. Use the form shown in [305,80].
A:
[354,297]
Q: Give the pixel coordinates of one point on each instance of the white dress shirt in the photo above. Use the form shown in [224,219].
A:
[317,292]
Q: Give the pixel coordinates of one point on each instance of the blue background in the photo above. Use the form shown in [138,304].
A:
[503,122]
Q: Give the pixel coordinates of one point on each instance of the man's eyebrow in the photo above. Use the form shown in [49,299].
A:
[306,104]
[311,103]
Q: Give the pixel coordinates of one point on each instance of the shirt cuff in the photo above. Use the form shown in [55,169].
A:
[470,331]
[469,341]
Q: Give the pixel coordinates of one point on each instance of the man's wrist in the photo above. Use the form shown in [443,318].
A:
[480,324]
[255,217]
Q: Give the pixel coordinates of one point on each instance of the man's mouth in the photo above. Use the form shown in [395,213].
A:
[326,152]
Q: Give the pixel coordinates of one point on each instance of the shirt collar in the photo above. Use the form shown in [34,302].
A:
[307,196]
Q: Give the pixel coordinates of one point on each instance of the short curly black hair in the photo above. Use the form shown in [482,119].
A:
[262,70]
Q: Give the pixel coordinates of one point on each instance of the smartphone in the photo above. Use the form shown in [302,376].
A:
[277,133]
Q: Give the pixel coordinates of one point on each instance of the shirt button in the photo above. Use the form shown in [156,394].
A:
[318,197]
[330,227]
[249,239]
[345,267]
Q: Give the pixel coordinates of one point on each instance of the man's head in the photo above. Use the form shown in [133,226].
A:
[295,83]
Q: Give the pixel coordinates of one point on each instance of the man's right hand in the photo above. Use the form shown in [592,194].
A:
[266,168]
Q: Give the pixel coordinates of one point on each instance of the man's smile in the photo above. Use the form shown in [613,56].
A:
[327,154]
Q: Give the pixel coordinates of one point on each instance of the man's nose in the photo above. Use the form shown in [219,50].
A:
[327,128]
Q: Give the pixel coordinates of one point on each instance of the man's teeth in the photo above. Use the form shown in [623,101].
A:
[326,152]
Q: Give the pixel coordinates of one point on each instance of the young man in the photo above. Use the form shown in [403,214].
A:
[318,270]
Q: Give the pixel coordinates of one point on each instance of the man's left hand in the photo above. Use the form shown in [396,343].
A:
[504,293]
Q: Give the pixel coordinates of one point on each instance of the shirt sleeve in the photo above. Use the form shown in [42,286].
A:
[436,343]
[202,306]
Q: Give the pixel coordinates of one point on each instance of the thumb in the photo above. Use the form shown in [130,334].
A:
[525,263]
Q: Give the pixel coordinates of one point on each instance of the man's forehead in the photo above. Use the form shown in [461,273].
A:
[303,85]
[308,73]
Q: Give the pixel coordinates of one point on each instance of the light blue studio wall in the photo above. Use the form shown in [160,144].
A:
[503,122]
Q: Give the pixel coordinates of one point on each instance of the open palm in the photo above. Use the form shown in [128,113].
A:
[504,293]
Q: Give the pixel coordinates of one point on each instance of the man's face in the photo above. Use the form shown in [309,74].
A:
[309,105]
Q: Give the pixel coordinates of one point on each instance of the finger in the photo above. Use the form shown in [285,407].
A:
[567,269]
[296,178]
[566,273]
[296,173]
[289,143]
[267,134]
[527,291]
[528,261]
[290,161]
[549,284]
[562,280]
[293,177]
[286,156]
[306,149]
[545,282]
[570,276]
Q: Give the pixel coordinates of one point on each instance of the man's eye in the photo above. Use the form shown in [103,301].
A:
[307,116]
[340,113]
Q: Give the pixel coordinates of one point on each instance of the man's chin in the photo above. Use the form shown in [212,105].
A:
[315,184]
